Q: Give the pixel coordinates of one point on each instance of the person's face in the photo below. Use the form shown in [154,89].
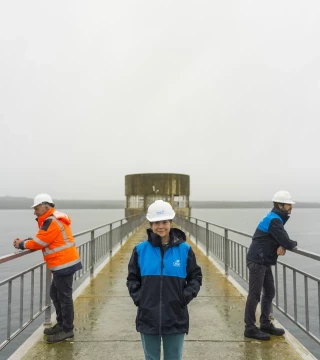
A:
[286,208]
[40,209]
[161,228]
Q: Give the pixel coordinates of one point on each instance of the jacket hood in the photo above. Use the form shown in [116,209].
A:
[283,215]
[177,236]
[62,217]
[57,214]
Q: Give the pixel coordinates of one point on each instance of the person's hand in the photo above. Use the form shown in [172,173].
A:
[16,242]
[281,251]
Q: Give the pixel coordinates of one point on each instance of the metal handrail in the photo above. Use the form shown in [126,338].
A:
[92,252]
[296,250]
[20,253]
[233,255]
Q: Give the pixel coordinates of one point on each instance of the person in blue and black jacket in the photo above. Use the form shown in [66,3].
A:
[269,240]
[163,277]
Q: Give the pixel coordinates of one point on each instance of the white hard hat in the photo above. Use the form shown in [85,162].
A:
[160,210]
[282,197]
[42,198]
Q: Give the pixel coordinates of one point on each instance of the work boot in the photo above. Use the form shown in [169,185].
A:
[271,329]
[60,336]
[256,333]
[52,330]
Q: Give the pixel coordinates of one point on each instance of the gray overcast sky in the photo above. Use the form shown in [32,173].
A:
[225,91]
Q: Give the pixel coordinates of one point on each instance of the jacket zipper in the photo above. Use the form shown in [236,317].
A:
[161,281]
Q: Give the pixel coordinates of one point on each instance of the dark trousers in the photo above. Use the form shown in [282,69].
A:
[61,295]
[260,277]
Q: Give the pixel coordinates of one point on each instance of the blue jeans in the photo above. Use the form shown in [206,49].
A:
[172,346]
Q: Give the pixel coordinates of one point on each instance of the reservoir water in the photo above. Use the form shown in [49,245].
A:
[303,226]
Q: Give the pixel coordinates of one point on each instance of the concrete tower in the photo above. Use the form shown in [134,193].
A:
[143,189]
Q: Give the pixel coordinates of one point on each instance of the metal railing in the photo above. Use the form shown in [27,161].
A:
[294,287]
[28,292]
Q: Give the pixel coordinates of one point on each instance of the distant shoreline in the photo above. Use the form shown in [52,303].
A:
[21,203]
[245,205]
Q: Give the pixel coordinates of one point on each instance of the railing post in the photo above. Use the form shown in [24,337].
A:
[121,232]
[47,315]
[196,234]
[110,240]
[226,252]
[271,317]
[93,254]
[207,238]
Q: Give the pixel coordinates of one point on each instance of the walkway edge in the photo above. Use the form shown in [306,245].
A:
[38,334]
[296,344]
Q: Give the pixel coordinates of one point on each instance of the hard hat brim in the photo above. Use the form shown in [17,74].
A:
[34,205]
[160,218]
[283,202]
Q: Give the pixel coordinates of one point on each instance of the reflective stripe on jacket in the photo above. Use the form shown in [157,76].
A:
[55,240]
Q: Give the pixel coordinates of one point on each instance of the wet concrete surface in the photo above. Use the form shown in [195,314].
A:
[105,320]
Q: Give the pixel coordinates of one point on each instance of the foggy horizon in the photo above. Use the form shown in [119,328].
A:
[191,199]
[225,92]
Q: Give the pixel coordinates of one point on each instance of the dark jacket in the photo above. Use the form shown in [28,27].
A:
[269,235]
[162,283]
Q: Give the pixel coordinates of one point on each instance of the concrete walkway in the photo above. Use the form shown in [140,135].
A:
[105,320]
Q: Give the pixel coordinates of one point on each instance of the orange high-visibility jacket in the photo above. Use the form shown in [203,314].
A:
[55,240]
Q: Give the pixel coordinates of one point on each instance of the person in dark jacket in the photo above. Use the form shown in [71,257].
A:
[269,240]
[163,277]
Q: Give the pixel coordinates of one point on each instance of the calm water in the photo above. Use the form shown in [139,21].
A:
[303,226]
[21,223]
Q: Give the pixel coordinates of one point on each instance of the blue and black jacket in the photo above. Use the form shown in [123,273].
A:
[162,283]
[269,235]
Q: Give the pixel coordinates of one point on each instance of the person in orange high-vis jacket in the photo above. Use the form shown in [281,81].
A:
[55,240]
